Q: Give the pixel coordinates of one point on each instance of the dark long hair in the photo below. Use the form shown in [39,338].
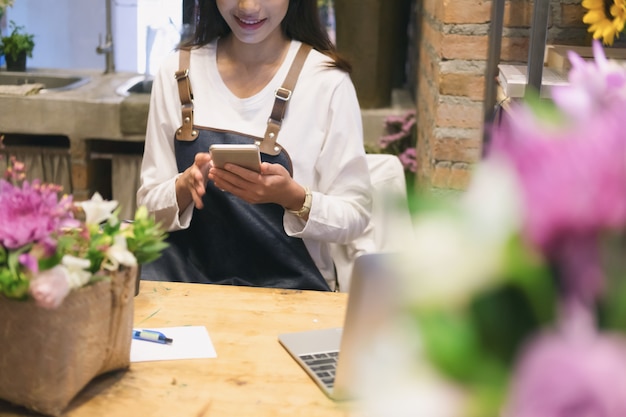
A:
[302,23]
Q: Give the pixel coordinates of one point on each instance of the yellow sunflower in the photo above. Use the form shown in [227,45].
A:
[605,18]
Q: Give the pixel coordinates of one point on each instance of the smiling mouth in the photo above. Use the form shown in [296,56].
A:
[251,23]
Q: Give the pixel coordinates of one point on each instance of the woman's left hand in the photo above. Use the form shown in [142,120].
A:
[272,185]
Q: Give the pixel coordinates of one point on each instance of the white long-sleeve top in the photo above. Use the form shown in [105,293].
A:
[322,132]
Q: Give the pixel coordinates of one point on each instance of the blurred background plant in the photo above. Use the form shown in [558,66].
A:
[400,140]
[17,42]
[513,296]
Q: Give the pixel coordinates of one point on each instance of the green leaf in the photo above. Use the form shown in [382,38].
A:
[611,307]
[486,400]
[543,109]
[17,42]
[450,343]
[532,275]
[504,319]
[13,284]
[146,239]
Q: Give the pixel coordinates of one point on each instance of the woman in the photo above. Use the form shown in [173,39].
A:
[233,225]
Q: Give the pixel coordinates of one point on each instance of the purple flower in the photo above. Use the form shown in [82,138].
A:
[31,213]
[570,374]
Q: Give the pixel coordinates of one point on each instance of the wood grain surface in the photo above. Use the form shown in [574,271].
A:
[252,376]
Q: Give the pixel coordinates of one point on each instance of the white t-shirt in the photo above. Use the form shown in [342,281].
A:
[322,133]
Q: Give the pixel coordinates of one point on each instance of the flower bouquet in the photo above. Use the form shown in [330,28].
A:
[66,289]
[512,297]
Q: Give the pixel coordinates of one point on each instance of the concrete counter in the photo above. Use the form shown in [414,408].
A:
[92,110]
[90,113]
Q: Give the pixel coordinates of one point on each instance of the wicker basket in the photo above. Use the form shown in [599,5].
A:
[48,356]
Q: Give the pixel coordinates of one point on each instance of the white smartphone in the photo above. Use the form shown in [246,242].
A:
[246,156]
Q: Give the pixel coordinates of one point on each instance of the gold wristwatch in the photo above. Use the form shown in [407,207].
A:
[306,207]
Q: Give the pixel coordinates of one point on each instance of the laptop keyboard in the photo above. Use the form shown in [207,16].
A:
[323,365]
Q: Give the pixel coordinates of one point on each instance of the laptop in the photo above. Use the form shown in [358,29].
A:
[332,357]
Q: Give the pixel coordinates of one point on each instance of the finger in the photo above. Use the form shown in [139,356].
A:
[225,181]
[202,162]
[241,187]
[197,199]
[241,172]
[202,158]
[195,184]
[221,177]
[274,169]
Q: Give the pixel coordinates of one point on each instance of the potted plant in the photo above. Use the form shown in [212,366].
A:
[16,47]
[67,277]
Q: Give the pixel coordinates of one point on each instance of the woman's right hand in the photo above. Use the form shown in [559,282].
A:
[190,185]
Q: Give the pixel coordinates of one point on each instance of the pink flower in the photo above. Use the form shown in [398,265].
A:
[399,128]
[50,287]
[30,262]
[409,159]
[31,213]
[595,87]
[573,180]
[15,172]
[570,374]
[386,140]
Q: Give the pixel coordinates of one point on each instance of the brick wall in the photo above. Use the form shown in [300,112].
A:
[451,49]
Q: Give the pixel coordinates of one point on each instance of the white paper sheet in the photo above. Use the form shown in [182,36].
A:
[189,342]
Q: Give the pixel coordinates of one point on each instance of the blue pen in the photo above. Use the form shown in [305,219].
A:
[151,336]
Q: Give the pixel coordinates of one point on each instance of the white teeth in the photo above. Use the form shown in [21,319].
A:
[250,22]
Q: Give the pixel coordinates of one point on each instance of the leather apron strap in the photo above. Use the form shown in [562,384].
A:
[282,96]
[186,131]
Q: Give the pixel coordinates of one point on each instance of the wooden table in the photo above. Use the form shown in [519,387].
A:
[252,376]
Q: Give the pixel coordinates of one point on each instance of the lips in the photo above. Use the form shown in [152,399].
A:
[249,23]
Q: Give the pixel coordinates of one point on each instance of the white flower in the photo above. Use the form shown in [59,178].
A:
[458,253]
[77,273]
[97,209]
[393,378]
[493,201]
[118,254]
[447,262]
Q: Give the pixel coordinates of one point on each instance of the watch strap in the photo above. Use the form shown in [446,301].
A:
[306,206]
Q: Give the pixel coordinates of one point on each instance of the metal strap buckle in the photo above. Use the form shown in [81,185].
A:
[278,123]
[283,94]
[181,74]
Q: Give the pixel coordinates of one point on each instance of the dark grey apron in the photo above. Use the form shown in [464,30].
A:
[230,241]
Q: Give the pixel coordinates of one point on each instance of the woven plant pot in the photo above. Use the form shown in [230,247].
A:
[48,356]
